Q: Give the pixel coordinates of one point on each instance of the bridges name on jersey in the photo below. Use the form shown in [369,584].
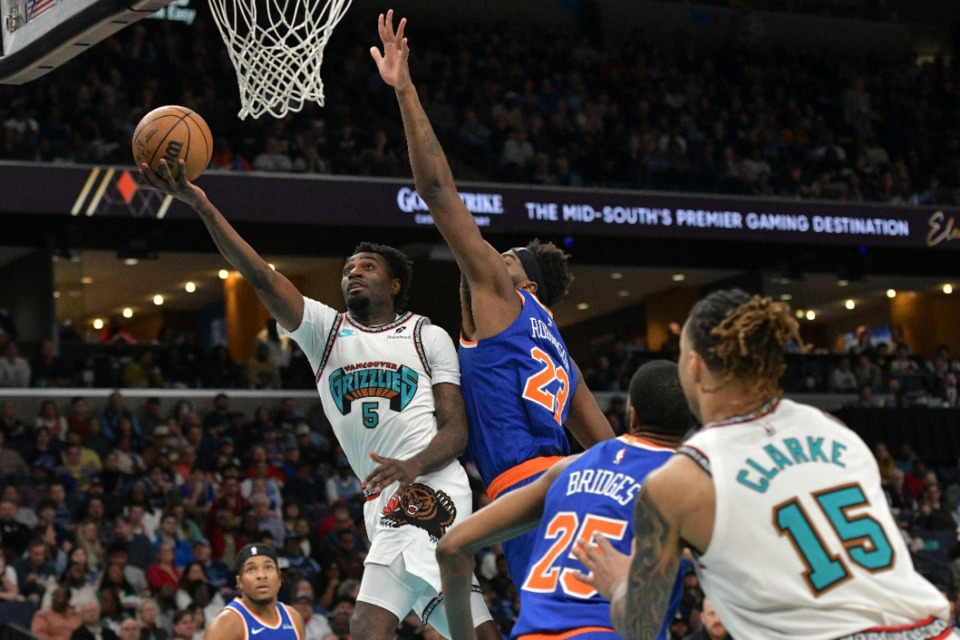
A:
[398,383]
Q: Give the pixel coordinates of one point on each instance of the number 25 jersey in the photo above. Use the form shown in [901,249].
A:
[517,387]
[804,544]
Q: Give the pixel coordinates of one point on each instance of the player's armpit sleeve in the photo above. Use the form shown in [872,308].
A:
[441,355]
[313,329]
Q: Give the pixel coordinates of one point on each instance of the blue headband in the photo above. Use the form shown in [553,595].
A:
[532,268]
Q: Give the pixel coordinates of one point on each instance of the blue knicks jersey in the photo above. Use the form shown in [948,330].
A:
[596,493]
[256,628]
[517,387]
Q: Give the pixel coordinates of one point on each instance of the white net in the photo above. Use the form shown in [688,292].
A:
[276,46]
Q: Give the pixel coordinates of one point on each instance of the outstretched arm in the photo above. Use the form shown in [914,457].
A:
[491,287]
[506,517]
[278,294]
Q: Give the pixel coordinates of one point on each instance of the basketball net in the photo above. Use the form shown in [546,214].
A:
[276,47]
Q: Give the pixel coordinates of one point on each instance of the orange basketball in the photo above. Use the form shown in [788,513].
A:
[171,133]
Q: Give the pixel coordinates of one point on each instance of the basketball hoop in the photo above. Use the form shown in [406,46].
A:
[276,46]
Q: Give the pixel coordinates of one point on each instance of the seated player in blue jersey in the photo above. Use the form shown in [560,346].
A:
[592,493]
[256,611]
[520,386]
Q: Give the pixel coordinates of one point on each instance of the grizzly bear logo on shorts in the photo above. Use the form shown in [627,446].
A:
[423,507]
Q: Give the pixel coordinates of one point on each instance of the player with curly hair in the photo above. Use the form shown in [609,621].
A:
[781,503]
[520,385]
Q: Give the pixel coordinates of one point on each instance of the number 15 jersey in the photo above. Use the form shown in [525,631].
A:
[804,545]
[516,387]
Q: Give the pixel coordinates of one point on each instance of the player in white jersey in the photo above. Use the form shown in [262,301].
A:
[389,382]
[780,503]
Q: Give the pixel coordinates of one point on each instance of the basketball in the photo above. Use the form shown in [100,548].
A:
[171,133]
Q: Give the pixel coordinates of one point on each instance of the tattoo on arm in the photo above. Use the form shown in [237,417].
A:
[430,143]
[639,610]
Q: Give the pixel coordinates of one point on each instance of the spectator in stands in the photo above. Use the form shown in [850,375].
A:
[168,534]
[148,619]
[217,573]
[949,394]
[19,437]
[88,539]
[95,440]
[895,398]
[162,574]
[13,467]
[114,413]
[47,532]
[901,501]
[317,627]
[136,577]
[74,472]
[14,370]
[48,369]
[225,536]
[129,630]
[91,629]
[58,620]
[25,513]
[138,546]
[298,564]
[868,373]
[885,461]
[902,364]
[35,572]
[74,579]
[14,535]
[273,157]
[842,377]
[343,485]
[261,371]
[865,399]
[183,625]
[111,610]
[129,462]
[931,514]
[150,417]
[267,519]
[45,450]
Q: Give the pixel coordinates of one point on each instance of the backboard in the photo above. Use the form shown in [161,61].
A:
[40,35]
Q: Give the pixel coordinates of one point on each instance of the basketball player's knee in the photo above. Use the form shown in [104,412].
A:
[366,625]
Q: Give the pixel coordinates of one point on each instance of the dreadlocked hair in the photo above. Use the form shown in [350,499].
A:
[743,336]
[401,268]
[556,271]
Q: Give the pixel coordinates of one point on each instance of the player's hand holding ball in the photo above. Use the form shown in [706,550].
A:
[173,146]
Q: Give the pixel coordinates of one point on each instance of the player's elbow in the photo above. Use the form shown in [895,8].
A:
[434,190]
[450,551]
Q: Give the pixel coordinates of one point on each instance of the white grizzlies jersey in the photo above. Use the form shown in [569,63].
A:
[804,545]
[376,383]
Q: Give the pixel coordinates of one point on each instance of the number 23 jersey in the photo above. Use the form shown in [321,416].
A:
[804,544]
[517,390]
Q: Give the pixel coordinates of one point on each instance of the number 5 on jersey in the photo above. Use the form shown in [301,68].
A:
[536,388]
